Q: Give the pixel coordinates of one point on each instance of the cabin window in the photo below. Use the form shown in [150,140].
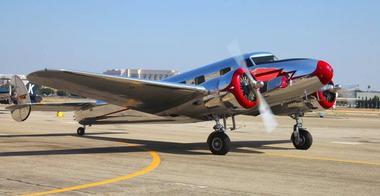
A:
[183,82]
[225,70]
[199,80]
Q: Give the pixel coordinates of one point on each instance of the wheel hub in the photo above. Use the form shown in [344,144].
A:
[217,143]
[299,140]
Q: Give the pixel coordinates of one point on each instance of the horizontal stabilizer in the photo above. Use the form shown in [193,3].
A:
[55,107]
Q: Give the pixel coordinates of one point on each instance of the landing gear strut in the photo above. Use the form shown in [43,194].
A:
[81,130]
[218,141]
[301,138]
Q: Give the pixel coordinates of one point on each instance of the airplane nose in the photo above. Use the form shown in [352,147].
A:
[324,72]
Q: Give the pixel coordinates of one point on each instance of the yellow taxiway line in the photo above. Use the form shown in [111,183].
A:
[156,161]
[321,159]
[153,164]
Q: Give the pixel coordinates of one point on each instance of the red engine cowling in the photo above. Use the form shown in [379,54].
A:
[240,89]
[326,98]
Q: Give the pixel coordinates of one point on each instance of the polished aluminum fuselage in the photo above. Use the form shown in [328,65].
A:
[302,83]
[295,97]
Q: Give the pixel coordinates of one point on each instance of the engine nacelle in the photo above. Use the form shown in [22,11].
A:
[241,91]
[326,96]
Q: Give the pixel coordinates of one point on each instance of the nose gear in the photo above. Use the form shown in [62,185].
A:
[300,137]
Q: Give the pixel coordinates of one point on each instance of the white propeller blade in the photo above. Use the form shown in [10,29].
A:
[266,114]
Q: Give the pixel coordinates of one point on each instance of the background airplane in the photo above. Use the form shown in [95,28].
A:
[4,95]
[251,84]
[4,90]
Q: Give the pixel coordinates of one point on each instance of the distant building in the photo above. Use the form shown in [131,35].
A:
[5,78]
[9,76]
[354,97]
[146,74]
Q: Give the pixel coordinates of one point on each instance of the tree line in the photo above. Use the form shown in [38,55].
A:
[368,103]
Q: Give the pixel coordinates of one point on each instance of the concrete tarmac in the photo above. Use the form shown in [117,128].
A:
[43,155]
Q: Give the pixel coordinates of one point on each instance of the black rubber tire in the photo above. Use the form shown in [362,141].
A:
[306,140]
[218,143]
[81,131]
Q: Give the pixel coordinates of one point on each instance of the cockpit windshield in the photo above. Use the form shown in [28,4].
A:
[264,59]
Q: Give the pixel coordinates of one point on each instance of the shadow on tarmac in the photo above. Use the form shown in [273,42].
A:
[142,146]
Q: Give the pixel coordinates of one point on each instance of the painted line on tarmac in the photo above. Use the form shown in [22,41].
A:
[153,164]
[322,159]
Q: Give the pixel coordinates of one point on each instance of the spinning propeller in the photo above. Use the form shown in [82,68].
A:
[266,114]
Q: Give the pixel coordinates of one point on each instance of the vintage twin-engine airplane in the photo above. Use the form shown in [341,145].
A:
[216,92]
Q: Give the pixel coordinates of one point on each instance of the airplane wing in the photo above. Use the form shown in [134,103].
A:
[143,95]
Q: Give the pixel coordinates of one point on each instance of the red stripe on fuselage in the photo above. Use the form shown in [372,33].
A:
[266,74]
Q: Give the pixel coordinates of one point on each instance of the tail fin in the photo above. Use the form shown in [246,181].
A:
[32,91]
[20,96]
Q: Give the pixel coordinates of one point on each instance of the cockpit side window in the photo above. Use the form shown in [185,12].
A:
[248,62]
[264,59]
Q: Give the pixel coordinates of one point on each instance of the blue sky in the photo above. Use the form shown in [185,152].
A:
[98,35]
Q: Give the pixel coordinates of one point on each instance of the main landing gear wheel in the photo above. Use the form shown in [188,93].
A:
[218,143]
[81,131]
[303,141]
[301,138]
